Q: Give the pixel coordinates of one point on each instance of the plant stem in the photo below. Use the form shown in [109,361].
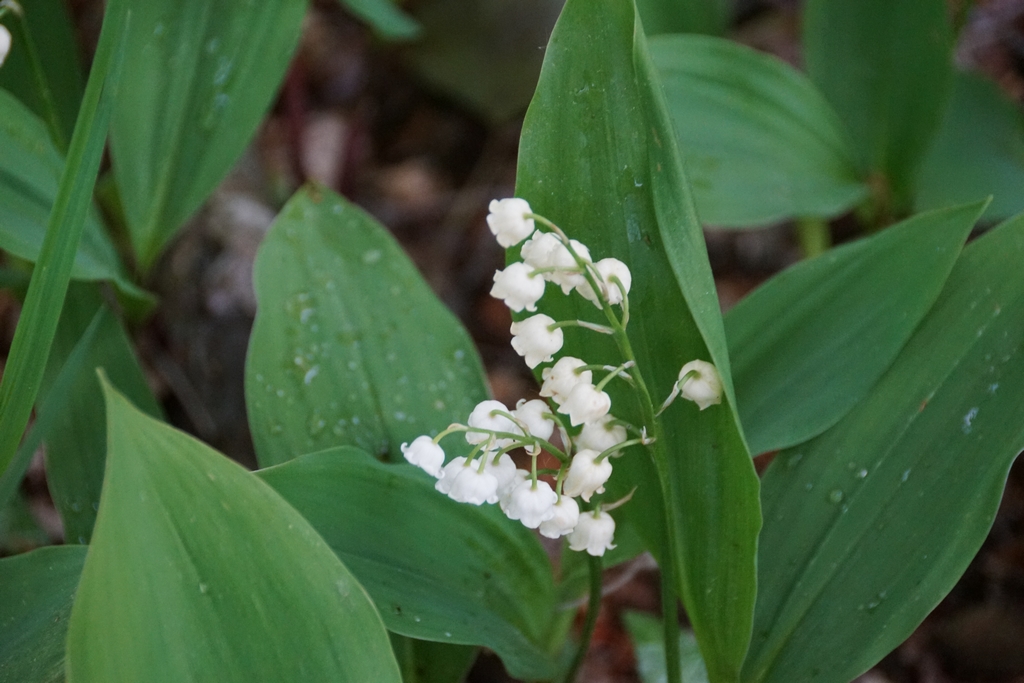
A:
[670,622]
[814,236]
[593,607]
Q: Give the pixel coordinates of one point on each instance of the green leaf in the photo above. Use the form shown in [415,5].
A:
[350,346]
[385,17]
[484,53]
[869,525]
[37,325]
[437,570]
[19,530]
[810,343]
[649,647]
[423,661]
[244,587]
[595,151]
[75,433]
[202,75]
[979,151]
[54,91]
[886,67]
[36,590]
[685,16]
[30,171]
[760,142]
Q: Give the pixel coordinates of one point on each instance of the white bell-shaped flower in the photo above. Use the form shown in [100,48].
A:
[425,454]
[586,477]
[704,387]
[473,486]
[567,514]
[518,287]
[532,503]
[594,532]
[561,378]
[535,415]
[607,268]
[5,43]
[600,435]
[504,470]
[585,403]
[488,415]
[535,341]
[508,222]
[505,493]
[448,474]
[546,251]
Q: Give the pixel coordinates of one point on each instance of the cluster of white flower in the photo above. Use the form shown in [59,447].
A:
[593,435]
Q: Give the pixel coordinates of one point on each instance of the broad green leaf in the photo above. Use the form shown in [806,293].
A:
[202,75]
[886,67]
[484,53]
[76,435]
[585,164]
[979,151]
[349,347]
[423,661]
[810,343]
[759,142]
[436,569]
[869,525]
[37,324]
[36,590]
[244,587]
[19,530]
[685,16]
[647,635]
[55,92]
[385,17]
[30,170]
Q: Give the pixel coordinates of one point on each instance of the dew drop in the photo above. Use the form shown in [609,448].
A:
[371,256]
[203,588]
[862,474]
[906,475]
[835,496]
[310,374]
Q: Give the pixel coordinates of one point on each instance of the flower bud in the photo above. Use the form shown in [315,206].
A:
[473,486]
[508,222]
[607,268]
[425,454]
[448,474]
[532,503]
[546,251]
[567,514]
[600,435]
[586,477]
[534,414]
[593,533]
[483,417]
[703,387]
[5,43]
[534,339]
[585,403]
[518,287]
[561,378]
[504,471]
[505,493]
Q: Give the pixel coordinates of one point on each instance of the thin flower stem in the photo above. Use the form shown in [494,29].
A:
[673,665]
[593,607]
[603,329]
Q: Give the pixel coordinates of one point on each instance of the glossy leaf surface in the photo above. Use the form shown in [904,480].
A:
[202,75]
[36,590]
[978,151]
[75,433]
[688,16]
[585,164]
[759,142]
[809,344]
[869,525]
[437,570]
[350,346]
[30,170]
[244,587]
[886,68]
